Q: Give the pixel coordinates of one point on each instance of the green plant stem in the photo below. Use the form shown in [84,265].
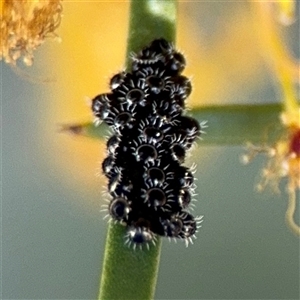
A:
[228,125]
[233,125]
[128,273]
[149,20]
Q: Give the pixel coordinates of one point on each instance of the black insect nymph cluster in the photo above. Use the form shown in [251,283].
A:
[150,188]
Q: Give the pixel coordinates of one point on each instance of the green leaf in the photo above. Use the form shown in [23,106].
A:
[227,125]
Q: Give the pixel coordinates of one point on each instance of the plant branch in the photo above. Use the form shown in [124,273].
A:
[229,125]
[129,274]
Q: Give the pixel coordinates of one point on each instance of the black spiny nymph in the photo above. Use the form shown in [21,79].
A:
[150,188]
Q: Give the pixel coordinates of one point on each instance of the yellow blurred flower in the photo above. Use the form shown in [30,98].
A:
[284,154]
[286,11]
[24,26]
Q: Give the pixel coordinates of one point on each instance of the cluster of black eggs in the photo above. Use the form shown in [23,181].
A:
[151,190]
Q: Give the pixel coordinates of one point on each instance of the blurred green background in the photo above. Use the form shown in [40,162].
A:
[53,233]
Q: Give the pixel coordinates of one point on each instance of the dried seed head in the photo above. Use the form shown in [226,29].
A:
[24,26]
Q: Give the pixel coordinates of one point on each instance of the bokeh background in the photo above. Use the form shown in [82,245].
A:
[53,233]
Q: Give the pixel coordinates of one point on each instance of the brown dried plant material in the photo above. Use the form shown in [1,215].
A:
[24,26]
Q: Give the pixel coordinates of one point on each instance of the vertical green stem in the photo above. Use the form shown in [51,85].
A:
[149,20]
[128,273]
